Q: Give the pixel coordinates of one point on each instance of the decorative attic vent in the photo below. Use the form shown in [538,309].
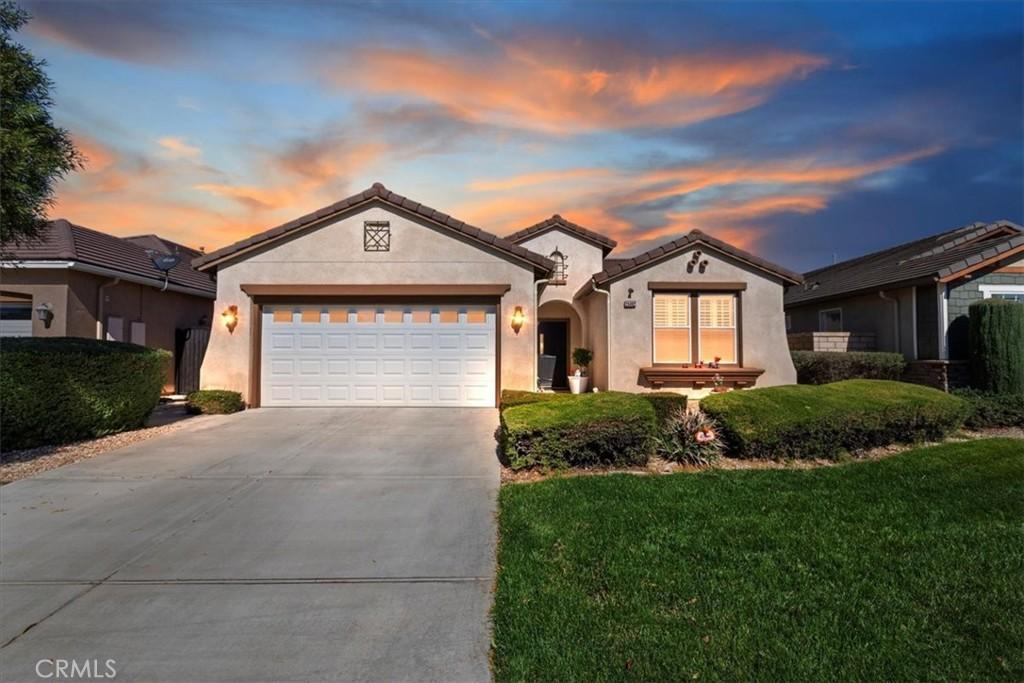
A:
[377,236]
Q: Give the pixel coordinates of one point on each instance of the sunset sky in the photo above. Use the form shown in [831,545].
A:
[803,132]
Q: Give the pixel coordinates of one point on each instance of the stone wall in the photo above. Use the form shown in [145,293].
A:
[832,341]
[938,374]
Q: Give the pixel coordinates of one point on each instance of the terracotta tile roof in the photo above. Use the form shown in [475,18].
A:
[375,193]
[616,268]
[928,259]
[555,222]
[65,241]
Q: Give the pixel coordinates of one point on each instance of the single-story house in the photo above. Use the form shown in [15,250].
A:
[77,282]
[380,300]
[911,298]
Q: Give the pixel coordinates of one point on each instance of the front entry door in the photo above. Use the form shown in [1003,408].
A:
[553,340]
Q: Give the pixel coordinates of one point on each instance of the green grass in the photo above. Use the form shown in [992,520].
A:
[908,568]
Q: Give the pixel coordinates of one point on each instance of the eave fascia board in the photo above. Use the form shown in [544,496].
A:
[108,272]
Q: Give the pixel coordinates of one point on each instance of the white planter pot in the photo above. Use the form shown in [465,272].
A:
[578,385]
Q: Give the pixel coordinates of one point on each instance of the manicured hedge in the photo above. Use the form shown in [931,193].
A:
[823,421]
[513,397]
[823,367]
[665,404]
[214,402]
[993,410]
[607,428]
[997,346]
[55,390]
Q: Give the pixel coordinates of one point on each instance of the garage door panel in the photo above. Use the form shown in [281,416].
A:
[365,355]
[337,341]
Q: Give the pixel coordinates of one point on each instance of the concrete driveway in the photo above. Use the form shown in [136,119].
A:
[273,545]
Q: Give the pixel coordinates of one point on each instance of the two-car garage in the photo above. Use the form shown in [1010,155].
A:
[391,354]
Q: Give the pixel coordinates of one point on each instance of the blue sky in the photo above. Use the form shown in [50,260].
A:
[799,131]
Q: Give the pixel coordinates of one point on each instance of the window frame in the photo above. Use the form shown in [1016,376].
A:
[694,320]
[822,311]
[988,291]
[688,328]
[735,327]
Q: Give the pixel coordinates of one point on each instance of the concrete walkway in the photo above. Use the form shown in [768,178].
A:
[273,545]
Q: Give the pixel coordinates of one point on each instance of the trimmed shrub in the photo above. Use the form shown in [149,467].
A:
[214,402]
[823,367]
[997,346]
[665,403]
[60,389]
[608,428]
[993,410]
[690,437]
[822,421]
[515,397]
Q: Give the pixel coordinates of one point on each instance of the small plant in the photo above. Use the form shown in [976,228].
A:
[690,438]
[581,358]
[214,402]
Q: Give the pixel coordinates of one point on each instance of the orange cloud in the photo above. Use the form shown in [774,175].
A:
[177,148]
[673,182]
[542,90]
[539,178]
[98,156]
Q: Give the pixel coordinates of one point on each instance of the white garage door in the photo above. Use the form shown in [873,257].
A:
[378,355]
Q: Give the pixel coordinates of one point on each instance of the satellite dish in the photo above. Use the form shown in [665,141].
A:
[165,262]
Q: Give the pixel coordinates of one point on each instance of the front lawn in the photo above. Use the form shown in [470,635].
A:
[908,568]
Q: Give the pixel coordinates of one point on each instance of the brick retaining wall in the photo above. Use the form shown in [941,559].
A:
[832,341]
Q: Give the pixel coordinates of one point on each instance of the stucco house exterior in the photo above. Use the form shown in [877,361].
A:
[380,300]
[78,282]
[912,298]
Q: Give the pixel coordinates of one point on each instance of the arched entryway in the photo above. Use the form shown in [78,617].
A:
[559,331]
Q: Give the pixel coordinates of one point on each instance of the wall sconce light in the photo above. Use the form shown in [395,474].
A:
[45,313]
[230,318]
[518,318]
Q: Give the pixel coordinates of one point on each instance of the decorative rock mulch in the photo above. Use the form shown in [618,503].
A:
[15,465]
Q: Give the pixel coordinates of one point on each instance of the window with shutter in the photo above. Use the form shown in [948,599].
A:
[717,336]
[672,328]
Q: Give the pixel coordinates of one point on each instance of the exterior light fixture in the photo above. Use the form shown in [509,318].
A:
[45,313]
[230,318]
[518,318]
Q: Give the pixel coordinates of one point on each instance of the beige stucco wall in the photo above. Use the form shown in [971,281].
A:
[596,324]
[420,254]
[583,259]
[762,322]
[44,286]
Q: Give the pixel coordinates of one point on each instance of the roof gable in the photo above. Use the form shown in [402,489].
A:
[556,222]
[620,267]
[376,193]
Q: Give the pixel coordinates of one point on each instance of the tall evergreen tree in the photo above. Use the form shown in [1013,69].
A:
[34,153]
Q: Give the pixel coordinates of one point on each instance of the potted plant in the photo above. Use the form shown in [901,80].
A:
[581,359]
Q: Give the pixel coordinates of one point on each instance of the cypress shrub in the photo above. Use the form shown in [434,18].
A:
[60,389]
[997,346]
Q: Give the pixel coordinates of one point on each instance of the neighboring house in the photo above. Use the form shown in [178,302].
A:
[77,282]
[913,298]
[380,300]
